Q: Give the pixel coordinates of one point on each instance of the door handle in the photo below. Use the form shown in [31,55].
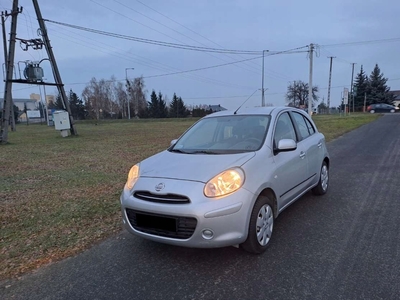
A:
[302,154]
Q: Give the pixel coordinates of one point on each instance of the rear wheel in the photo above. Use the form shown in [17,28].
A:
[372,111]
[323,183]
[260,227]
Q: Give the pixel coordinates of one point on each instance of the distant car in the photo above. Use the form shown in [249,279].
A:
[381,108]
[226,179]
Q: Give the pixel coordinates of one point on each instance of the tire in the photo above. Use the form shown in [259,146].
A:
[261,226]
[323,182]
[372,111]
[392,110]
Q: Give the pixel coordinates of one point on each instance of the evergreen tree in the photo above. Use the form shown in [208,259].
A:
[177,108]
[378,91]
[153,107]
[58,104]
[76,105]
[162,107]
[361,84]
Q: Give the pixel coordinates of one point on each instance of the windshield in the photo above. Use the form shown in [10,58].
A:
[222,135]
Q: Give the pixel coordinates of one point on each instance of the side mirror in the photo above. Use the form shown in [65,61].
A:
[286,145]
[173,142]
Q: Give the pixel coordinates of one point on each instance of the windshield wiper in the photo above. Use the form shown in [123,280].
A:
[178,151]
[203,152]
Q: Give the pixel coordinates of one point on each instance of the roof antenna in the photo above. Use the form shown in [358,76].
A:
[245,101]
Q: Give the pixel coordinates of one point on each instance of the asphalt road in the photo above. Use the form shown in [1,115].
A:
[344,245]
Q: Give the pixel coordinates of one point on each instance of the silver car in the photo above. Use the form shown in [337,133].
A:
[226,179]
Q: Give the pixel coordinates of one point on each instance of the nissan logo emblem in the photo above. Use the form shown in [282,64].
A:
[160,186]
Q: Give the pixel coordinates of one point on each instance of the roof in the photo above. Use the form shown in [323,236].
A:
[396,94]
[216,108]
[251,111]
[18,100]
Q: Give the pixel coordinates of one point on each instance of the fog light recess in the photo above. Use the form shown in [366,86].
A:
[207,234]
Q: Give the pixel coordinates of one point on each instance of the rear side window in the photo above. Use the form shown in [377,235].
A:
[305,127]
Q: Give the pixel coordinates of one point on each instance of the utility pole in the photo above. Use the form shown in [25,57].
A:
[329,85]
[351,88]
[262,80]
[13,128]
[128,85]
[310,98]
[365,102]
[262,83]
[5,120]
[56,73]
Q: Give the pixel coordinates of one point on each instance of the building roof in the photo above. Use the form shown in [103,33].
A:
[18,101]
[396,94]
[216,108]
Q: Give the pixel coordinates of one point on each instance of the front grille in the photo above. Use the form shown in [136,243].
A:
[162,225]
[167,198]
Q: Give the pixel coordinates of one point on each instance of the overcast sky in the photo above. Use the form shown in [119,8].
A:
[230,24]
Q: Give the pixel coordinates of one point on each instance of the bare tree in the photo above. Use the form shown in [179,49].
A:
[136,94]
[101,98]
[121,99]
[297,93]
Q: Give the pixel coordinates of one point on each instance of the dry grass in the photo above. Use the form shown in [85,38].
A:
[58,195]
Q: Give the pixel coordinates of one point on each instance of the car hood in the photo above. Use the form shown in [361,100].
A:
[193,167]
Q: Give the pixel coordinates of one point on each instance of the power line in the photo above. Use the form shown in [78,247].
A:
[162,24]
[363,42]
[144,25]
[205,68]
[155,42]
[141,61]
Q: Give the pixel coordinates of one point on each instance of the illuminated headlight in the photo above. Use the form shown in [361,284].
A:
[224,183]
[132,177]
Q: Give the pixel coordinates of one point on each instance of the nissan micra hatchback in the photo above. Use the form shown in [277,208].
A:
[226,179]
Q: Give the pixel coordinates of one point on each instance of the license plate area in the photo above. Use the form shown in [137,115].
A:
[153,222]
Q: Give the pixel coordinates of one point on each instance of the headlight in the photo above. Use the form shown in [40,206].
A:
[132,177]
[224,183]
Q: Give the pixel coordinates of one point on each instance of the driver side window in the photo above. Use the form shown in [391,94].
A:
[284,129]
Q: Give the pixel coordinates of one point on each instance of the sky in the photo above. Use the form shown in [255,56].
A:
[334,26]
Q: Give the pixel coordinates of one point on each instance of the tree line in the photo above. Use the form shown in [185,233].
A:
[112,99]
[371,89]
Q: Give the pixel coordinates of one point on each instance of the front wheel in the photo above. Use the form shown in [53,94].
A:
[260,227]
[323,182]
[392,110]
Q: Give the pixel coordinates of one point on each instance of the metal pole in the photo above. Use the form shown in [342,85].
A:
[129,87]
[351,88]
[310,98]
[56,73]
[329,86]
[365,101]
[262,82]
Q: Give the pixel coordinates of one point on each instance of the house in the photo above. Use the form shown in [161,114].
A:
[215,108]
[21,103]
[396,101]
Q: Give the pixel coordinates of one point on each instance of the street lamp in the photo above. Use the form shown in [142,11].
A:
[126,77]
[262,79]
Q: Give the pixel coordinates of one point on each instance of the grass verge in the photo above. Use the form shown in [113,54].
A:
[58,196]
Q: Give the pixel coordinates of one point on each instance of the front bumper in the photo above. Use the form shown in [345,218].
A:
[201,223]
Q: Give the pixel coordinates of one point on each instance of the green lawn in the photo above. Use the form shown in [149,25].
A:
[58,195]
